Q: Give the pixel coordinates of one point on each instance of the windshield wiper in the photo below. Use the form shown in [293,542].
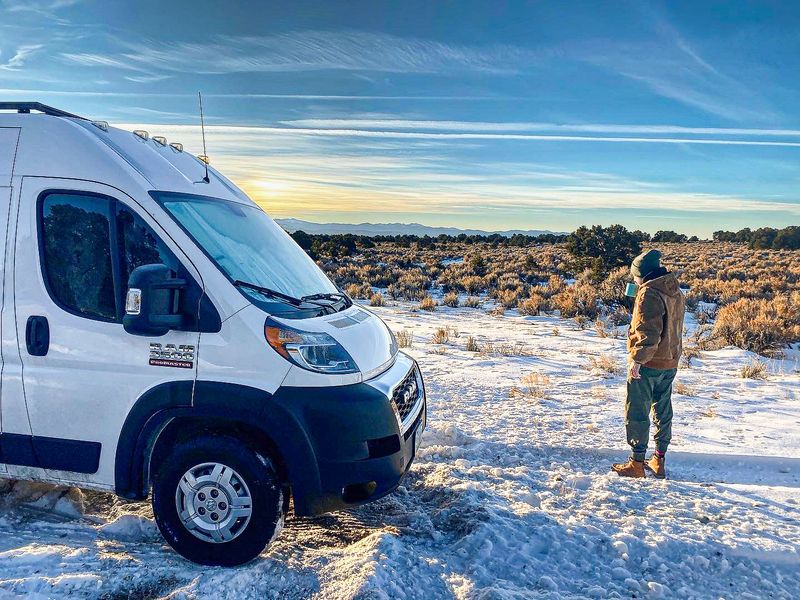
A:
[327,296]
[269,292]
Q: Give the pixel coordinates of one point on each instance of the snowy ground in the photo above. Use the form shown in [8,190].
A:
[510,497]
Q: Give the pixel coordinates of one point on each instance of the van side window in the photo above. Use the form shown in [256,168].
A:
[76,251]
[139,245]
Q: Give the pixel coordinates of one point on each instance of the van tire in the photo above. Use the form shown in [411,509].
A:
[260,478]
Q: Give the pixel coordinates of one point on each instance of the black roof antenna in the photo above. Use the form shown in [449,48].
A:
[203,130]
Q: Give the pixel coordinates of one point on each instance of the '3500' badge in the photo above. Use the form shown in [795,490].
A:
[171,355]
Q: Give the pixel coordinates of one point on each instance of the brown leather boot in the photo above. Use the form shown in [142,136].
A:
[656,466]
[632,468]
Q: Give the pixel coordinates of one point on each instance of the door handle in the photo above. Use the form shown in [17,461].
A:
[37,335]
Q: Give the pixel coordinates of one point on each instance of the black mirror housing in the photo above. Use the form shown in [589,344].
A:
[152,304]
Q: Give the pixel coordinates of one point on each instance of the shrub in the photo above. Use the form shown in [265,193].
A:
[602,249]
[359,290]
[612,289]
[761,326]
[441,336]
[755,369]
[405,338]
[533,385]
[507,298]
[472,284]
[451,299]
[604,363]
[578,299]
[427,303]
[376,300]
[533,305]
[472,302]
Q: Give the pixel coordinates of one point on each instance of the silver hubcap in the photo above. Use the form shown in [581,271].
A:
[213,502]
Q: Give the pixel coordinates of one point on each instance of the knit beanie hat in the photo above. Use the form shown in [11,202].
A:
[646,263]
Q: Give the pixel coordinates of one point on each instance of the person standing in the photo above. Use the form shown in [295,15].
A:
[654,350]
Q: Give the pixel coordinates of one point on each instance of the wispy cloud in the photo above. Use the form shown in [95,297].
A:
[47,9]
[672,67]
[404,124]
[315,50]
[291,174]
[18,58]
[371,133]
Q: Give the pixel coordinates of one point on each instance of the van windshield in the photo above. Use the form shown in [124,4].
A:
[247,245]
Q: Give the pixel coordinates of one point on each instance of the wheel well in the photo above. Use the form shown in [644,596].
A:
[184,428]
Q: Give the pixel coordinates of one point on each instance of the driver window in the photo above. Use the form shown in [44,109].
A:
[139,245]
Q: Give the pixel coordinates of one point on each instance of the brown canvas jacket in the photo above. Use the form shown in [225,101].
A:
[655,335]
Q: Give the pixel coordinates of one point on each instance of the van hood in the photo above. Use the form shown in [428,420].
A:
[363,334]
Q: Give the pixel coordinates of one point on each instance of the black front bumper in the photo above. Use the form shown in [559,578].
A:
[361,451]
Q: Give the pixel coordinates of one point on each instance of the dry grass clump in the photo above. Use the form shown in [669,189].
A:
[761,326]
[710,412]
[376,300]
[755,369]
[427,303]
[532,385]
[443,335]
[507,349]
[684,390]
[472,345]
[472,302]
[405,338]
[606,329]
[604,363]
[450,299]
[689,354]
[440,336]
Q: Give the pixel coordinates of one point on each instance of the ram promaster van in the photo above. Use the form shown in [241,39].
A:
[160,332]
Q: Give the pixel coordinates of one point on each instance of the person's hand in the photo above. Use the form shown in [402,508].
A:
[633,371]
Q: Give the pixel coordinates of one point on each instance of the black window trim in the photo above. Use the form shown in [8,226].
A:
[120,287]
[43,261]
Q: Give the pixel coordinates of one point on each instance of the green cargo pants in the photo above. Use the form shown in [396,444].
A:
[653,391]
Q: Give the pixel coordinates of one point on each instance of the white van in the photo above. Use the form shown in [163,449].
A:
[160,331]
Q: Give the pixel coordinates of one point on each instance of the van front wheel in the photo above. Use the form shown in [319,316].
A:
[216,501]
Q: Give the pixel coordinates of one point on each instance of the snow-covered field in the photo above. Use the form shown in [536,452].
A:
[510,497]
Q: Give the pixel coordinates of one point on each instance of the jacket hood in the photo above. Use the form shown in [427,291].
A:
[666,284]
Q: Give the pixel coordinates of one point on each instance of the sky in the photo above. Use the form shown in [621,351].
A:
[494,115]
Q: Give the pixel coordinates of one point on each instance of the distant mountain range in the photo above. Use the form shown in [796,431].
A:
[370,229]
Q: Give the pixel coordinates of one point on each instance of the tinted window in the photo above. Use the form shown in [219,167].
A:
[77,253]
[139,245]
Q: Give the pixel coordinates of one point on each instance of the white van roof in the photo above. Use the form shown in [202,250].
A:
[52,145]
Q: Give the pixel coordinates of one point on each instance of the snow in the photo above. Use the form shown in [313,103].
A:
[510,497]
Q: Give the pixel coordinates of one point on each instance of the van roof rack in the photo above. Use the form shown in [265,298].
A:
[27,107]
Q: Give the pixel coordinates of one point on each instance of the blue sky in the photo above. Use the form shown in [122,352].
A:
[495,115]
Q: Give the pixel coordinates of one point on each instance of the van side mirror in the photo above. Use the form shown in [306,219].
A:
[152,304]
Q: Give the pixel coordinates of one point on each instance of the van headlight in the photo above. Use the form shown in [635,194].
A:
[309,350]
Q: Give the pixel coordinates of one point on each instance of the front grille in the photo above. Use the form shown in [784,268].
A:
[407,394]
